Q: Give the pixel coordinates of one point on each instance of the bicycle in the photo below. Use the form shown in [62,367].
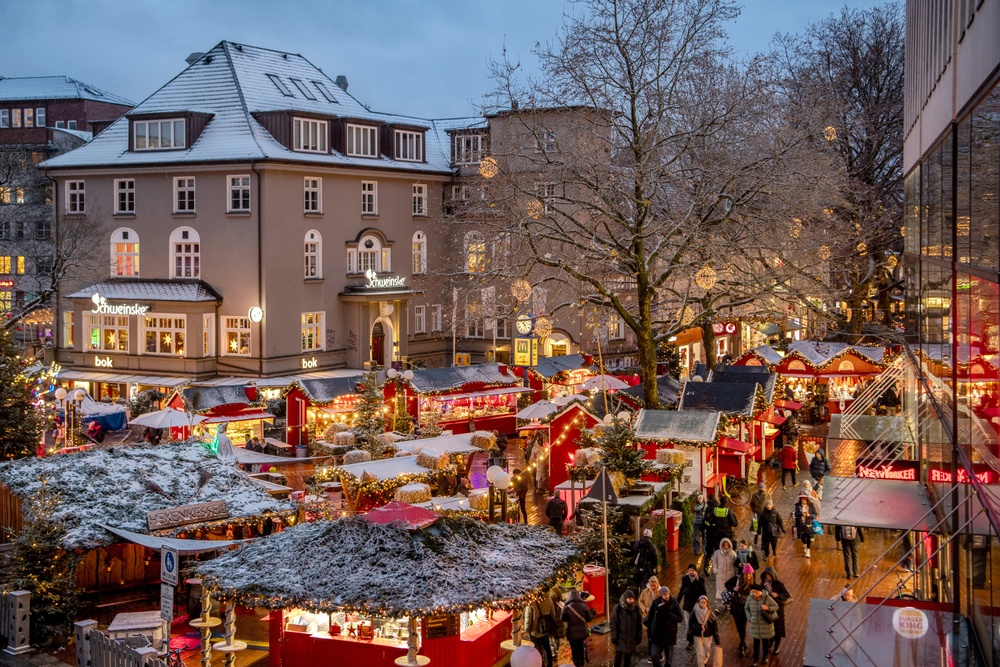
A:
[173,658]
[900,593]
[736,490]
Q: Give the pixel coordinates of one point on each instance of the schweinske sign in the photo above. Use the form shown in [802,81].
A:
[102,306]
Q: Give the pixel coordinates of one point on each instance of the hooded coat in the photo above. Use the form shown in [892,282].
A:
[819,466]
[535,611]
[723,564]
[576,623]
[626,626]
[803,524]
[757,626]
[644,560]
[780,594]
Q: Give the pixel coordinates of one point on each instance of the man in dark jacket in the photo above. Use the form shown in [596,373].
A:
[725,522]
[576,614]
[644,559]
[626,629]
[757,501]
[661,626]
[849,537]
[772,525]
[819,467]
[692,588]
[556,511]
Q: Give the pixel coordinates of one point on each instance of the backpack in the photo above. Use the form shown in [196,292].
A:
[848,532]
[546,624]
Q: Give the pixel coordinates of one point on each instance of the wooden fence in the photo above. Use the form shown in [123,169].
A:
[95,649]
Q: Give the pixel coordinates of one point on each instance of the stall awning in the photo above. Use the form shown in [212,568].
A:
[788,405]
[183,547]
[736,447]
[122,378]
[485,392]
[770,418]
[874,503]
[243,416]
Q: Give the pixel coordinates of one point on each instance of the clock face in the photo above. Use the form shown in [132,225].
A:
[523,324]
[256,314]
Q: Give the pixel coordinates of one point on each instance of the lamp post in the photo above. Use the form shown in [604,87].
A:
[501,481]
[71,404]
[397,378]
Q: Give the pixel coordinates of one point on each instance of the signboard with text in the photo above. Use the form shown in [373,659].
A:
[909,471]
[526,352]
[170,563]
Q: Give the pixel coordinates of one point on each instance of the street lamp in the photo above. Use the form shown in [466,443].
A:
[501,481]
[396,377]
[71,404]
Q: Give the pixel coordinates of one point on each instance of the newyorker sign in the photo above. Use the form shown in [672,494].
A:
[102,306]
[908,471]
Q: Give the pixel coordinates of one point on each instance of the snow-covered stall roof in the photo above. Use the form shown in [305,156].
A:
[767,353]
[109,487]
[206,398]
[430,380]
[731,398]
[183,547]
[385,468]
[328,389]
[816,353]
[91,408]
[446,444]
[670,425]
[454,565]
[549,367]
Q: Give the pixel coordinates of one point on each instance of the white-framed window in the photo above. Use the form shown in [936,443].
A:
[239,194]
[616,328]
[164,334]
[71,125]
[76,197]
[369,198]
[107,333]
[155,135]
[184,194]
[312,332]
[419,253]
[185,253]
[419,199]
[352,260]
[40,116]
[420,319]
[236,336]
[547,195]
[467,148]
[124,196]
[372,255]
[309,135]
[313,255]
[313,195]
[503,328]
[437,317]
[15,117]
[124,254]
[545,141]
[473,324]
[409,145]
[4,118]
[208,335]
[362,141]
[68,329]
[475,253]
[29,117]
[60,124]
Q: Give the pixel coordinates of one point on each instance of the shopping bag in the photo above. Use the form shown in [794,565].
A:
[817,527]
[717,656]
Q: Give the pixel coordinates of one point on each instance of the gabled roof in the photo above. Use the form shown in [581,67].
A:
[326,390]
[820,354]
[767,353]
[231,83]
[551,366]
[430,380]
[731,398]
[206,398]
[747,375]
[150,290]
[671,425]
[29,88]
[668,388]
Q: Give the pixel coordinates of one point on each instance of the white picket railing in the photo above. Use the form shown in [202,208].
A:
[95,649]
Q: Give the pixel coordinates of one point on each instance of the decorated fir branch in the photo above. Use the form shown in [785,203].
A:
[370,418]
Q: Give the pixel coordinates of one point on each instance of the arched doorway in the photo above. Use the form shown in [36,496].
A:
[378,343]
[382,342]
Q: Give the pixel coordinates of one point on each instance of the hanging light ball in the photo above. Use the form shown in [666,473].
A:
[705,277]
[488,167]
[892,261]
[535,209]
[902,232]
[795,230]
[687,316]
[862,248]
[521,289]
[543,327]
[824,252]
[830,133]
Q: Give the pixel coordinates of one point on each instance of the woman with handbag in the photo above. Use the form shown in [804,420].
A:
[806,511]
[739,590]
[576,615]
[772,586]
[705,629]
[762,612]
[539,623]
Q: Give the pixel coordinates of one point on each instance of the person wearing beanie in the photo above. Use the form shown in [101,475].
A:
[576,615]
[759,607]
[692,588]
[626,629]
[661,627]
[739,587]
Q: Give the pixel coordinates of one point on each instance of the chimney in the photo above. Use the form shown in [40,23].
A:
[194,57]
[341,81]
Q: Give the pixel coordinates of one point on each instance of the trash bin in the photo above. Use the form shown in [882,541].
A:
[595,579]
[673,518]
[301,451]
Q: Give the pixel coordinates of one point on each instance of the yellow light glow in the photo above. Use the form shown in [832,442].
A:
[488,168]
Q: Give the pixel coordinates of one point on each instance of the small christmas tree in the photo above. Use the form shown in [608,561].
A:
[20,420]
[429,422]
[621,454]
[402,421]
[370,413]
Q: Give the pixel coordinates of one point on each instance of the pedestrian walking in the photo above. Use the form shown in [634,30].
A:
[661,627]
[789,463]
[723,566]
[577,615]
[650,593]
[699,507]
[724,522]
[757,502]
[711,535]
[626,629]
[559,632]
[849,537]
[746,555]
[521,491]
[555,512]
[762,612]
[819,467]
[772,525]
[540,622]
[692,588]
[645,561]
[739,591]
[706,632]
[806,511]
[779,593]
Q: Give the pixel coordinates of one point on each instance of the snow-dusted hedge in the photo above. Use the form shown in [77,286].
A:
[113,487]
[455,564]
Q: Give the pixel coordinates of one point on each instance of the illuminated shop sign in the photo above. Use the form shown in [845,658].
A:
[102,307]
[310,363]
[987,476]
[104,362]
[908,471]
[724,328]
[390,281]
[5,283]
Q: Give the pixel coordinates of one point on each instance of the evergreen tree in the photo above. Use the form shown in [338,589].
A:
[370,413]
[621,454]
[20,421]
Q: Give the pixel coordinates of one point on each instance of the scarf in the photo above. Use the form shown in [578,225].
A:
[703,615]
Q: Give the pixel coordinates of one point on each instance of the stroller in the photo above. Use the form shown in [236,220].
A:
[96,432]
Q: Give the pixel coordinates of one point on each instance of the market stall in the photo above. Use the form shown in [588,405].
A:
[382,592]
[744,405]
[371,484]
[761,356]
[559,376]
[465,398]
[831,372]
[231,405]
[693,434]
[312,405]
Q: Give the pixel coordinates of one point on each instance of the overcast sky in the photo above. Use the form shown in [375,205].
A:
[425,58]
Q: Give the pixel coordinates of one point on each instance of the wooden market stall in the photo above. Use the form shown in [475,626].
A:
[564,431]
[232,405]
[371,484]
[693,434]
[830,372]
[762,355]
[559,376]
[741,403]
[312,405]
[370,590]
[465,398]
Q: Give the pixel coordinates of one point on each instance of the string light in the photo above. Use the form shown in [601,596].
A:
[705,277]
[488,167]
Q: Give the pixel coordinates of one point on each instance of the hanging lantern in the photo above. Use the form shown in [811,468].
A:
[488,168]
[705,277]
[795,231]
[521,289]
[892,261]
[687,316]
[828,211]
[902,232]
[543,327]
[535,209]
[830,133]
[824,252]
[862,249]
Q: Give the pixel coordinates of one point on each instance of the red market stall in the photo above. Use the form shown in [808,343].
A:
[312,405]
[465,398]
[560,376]
[693,433]
[231,405]
[836,370]
[762,355]
[564,439]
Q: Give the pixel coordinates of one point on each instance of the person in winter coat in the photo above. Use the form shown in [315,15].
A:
[806,511]
[521,490]
[849,538]
[705,628]
[789,459]
[724,567]
[661,627]
[725,522]
[757,501]
[699,507]
[746,555]
[772,525]
[649,595]
[644,559]
[576,615]
[692,588]
[779,593]
[626,629]
[819,467]
[740,588]
[556,511]
[760,629]
[711,535]
[533,615]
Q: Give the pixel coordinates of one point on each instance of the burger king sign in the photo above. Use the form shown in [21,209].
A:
[910,623]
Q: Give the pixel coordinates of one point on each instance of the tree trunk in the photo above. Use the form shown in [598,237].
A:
[857,311]
[647,365]
[708,342]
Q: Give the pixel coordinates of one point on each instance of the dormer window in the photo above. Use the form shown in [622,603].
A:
[467,148]
[362,141]
[158,135]
[409,146]
[309,135]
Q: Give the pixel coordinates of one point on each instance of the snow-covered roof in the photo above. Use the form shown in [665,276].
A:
[446,444]
[725,397]
[150,290]
[183,547]
[820,354]
[386,468]
[200,399]
[430,380]
[329,389]
[91,408]
[667,425]
[108,486]
[551,366]
[457,563]
[767,353]
[231,83]
[29,88]
[874,353]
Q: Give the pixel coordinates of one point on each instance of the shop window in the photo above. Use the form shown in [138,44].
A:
[124,254]
[107,333]
[313,255]
[312,331]
[236,334]
[419,253]
[185,252]
[164,334]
